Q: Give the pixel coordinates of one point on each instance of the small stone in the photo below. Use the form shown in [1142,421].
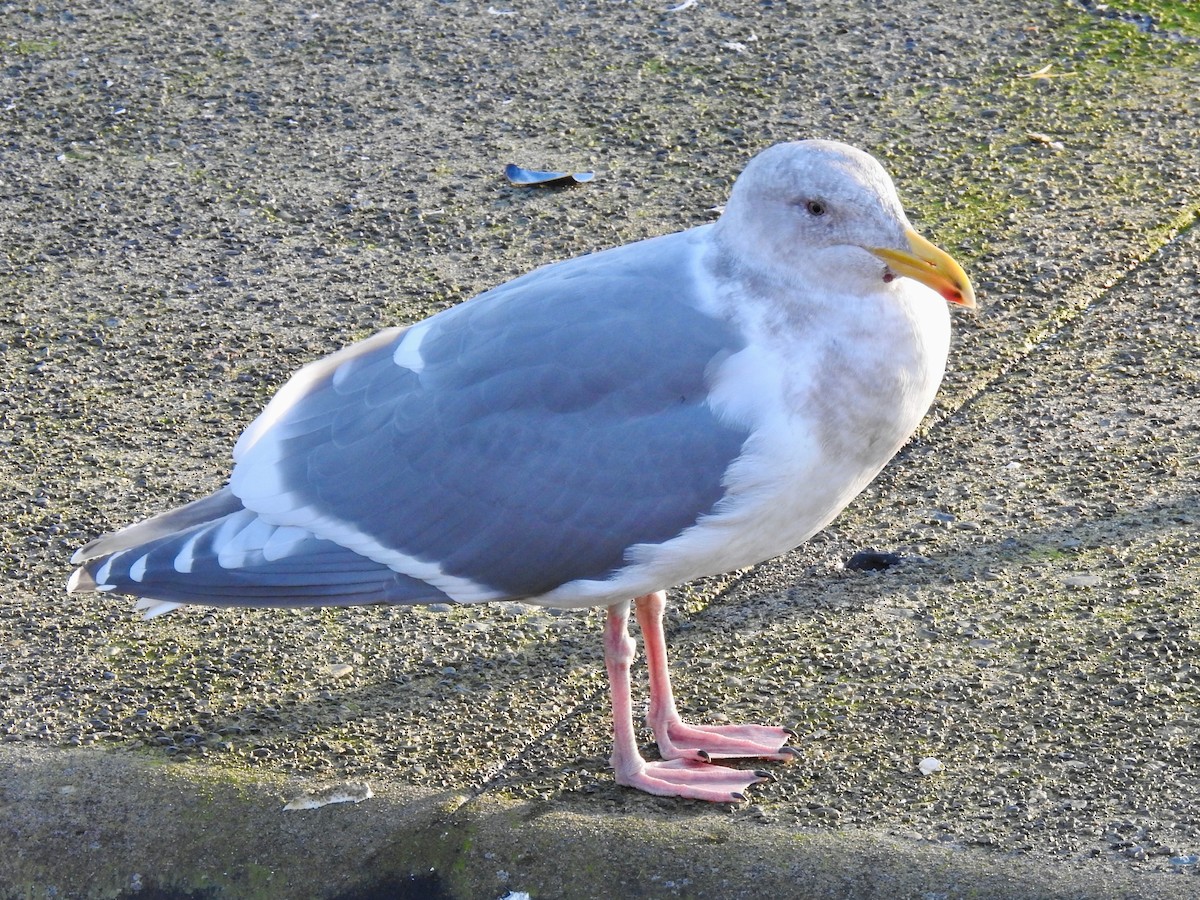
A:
[929,765]
[1082,581]
[873,561]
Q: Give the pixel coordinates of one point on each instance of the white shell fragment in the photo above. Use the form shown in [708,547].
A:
[929,765]
[348,792]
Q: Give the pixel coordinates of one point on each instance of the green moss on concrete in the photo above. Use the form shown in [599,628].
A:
[1025,115]
[31,47]
[1182,16]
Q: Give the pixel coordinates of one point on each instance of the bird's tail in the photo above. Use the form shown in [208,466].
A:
[216,552]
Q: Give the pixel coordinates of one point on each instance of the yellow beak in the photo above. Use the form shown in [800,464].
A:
[932,267]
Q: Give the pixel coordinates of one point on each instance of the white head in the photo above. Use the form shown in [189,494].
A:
[824,212]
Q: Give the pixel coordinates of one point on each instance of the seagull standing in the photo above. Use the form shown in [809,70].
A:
[590,434]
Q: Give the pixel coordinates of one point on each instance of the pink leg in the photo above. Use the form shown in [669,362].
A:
[678,740]
[678,777]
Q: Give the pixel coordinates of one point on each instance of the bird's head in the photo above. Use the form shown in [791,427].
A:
[829,213]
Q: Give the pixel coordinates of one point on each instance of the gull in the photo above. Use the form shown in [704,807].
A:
[593,433]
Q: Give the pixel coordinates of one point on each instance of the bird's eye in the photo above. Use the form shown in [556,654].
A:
[815,207]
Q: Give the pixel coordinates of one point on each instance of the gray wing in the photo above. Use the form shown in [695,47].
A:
[515,443]
[216,552]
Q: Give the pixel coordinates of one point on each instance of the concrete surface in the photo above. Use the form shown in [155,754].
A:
[198,198]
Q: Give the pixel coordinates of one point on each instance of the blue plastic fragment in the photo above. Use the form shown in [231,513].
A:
[533,178]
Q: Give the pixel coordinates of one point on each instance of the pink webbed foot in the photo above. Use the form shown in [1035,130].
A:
[687,749]
[688,778]
[679,740]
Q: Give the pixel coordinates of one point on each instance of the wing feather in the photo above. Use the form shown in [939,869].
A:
[522,440]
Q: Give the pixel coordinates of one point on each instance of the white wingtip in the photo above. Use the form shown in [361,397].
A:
[74,582]
[138,570]
[150,608]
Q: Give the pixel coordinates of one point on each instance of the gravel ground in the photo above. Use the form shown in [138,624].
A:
[198,198]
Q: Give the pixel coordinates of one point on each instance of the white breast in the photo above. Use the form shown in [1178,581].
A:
[828,407]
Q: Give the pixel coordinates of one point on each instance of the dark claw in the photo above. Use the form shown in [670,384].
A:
[703,754]
[791,750]
[738,796]
[764,775]
[791,733]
